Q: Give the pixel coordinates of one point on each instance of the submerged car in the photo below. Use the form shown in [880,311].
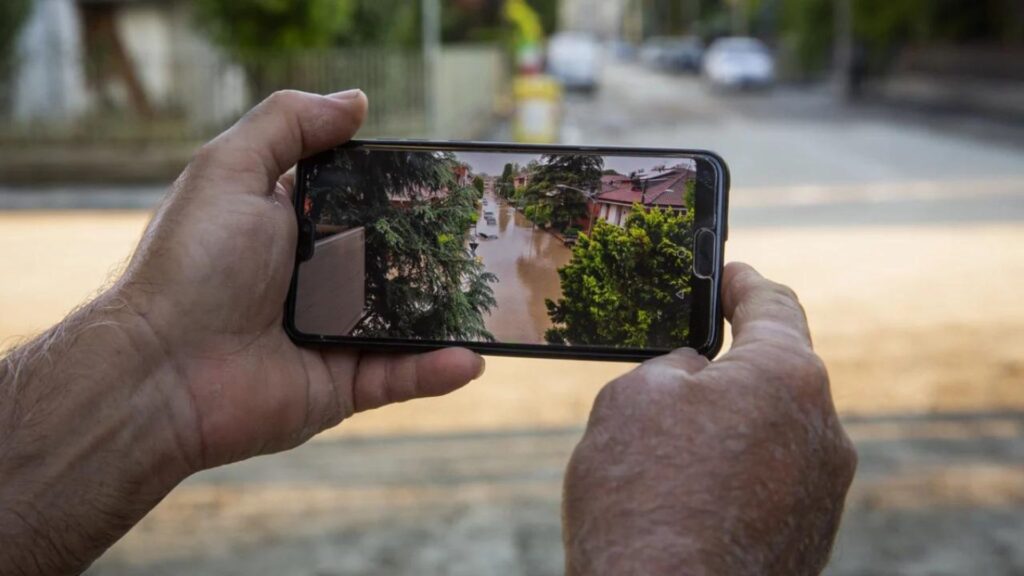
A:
[738,62]
[574,58]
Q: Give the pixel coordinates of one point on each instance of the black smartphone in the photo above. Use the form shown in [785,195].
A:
[543,251]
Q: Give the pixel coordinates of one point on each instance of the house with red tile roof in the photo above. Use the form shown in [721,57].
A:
[619,193]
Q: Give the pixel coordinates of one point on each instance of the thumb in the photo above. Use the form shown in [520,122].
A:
[287,127]
[383,379]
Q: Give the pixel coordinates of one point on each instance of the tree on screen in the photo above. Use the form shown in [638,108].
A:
[628,286]
[422,282]
[555,195]
[506,186]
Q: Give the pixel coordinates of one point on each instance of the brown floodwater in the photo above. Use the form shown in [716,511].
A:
[526,261]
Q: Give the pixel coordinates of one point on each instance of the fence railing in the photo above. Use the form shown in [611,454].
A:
[188,96]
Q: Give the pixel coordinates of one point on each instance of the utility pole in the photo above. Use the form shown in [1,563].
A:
[431,63]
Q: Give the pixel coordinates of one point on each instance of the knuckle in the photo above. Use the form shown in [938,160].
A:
[810,376]
[814,369]
[848,457]
[206,154]
[786,292]
[208,157]
[283,98]
[611,394]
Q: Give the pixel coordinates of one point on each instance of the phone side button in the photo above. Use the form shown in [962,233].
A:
[307,240]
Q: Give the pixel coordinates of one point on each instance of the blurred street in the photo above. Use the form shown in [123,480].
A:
[798,158]
[900,231]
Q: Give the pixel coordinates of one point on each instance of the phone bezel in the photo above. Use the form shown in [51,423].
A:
[710,322]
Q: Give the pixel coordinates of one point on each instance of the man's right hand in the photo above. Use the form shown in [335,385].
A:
[734,467]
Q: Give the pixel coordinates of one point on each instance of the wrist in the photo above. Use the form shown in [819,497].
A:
[89,437]
[145,366]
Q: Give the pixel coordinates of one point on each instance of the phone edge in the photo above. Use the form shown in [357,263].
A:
[710,349]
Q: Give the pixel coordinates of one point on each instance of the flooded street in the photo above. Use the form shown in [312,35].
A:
[526,261]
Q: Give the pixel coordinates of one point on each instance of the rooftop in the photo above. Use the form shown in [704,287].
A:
[666,189]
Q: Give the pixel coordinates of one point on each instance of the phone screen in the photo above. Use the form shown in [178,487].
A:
[552,248]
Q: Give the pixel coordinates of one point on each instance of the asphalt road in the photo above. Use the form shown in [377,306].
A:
[799,158]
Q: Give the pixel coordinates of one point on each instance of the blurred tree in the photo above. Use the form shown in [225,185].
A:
[263,34]
[807,33]
[882,27]
[383,23]
[628,286]
[478,185]
[251,29]
[422,282]
[13,14]
[484,20]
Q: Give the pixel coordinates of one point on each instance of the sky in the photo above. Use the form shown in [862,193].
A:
[493,163]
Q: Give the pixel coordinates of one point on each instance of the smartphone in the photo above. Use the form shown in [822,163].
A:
[523,250]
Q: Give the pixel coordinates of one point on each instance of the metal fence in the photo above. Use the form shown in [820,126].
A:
[190,96]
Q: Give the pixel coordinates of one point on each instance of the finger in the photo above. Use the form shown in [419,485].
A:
[685,359]
[388,379]
[762,310]
[289,126]
[286,183]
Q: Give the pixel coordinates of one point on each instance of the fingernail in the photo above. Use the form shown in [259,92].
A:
[483,367]
[346,95]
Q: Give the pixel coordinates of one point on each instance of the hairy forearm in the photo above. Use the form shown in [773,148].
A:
[86,438]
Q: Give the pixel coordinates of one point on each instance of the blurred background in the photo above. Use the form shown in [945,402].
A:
[877,152]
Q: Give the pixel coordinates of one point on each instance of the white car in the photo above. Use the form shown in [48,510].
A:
[738,62]
[574,58]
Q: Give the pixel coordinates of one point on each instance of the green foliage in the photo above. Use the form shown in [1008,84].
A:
[808,30]
[485,21]
[383,23]
[505,185]
[254,29]
[421,280]
[479,186]
[539,214]
[621,287]
[13,14]
[883,26]
[554,195]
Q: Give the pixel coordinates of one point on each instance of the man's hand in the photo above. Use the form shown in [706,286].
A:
[734,467]
[184,364]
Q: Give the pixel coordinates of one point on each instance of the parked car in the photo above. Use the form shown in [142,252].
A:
[652,49]
[673,54]
[683,55]
[622,50]
[738,62]
[574,58]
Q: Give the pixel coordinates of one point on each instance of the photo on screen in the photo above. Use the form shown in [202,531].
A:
[568,249]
